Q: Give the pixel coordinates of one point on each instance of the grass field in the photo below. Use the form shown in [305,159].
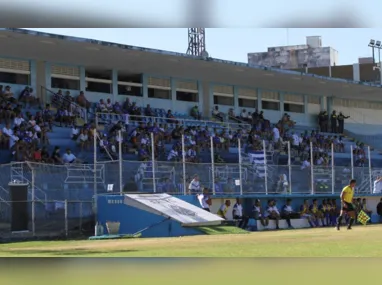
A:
[324,242]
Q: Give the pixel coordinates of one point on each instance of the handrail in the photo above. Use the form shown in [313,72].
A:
[119,117]
[7,192]
[82,112]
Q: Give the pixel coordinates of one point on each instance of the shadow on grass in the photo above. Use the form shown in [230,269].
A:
[72,252]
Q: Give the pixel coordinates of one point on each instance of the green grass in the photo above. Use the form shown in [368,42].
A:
[222,230]
[325,242]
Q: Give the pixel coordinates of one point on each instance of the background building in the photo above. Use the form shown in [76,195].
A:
[312,54]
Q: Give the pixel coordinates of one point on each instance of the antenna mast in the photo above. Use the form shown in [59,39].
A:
[196,41]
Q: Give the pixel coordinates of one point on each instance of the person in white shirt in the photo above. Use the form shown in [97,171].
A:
[276,134]
[273,213]
[204,200]
[173,155]
[377,189]
[194,186]
[18,121]
[305,164]
[7,131]
[295,140]
[75,133]
[282,184]
[243,115]
[237,214]
[258,214]
[288,213]
[69,157]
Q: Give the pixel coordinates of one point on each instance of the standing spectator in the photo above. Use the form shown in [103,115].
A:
[204,200]
[237,214]
[82,101]
[194,186]
[195,113]
[341,118]
[377,189]
[333,122]
[379,210]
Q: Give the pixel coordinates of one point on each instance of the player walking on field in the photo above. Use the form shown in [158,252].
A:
[347,206]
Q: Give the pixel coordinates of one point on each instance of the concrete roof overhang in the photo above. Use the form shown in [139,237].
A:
[20,43]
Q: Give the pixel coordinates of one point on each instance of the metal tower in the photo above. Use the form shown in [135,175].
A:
[196,42]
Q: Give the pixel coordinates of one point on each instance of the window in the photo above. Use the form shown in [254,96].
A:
[247,103]
[62,83]
[223,100]
[14,71]
[294,108]
[270,105]
[130,90]
[130,84]
[98,81]
[187,96]
[159,93]
[14,78]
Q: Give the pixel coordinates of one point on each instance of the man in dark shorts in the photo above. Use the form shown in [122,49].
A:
[347,204]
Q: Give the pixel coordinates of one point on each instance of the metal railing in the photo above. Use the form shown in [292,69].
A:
[58,100]
[109,118]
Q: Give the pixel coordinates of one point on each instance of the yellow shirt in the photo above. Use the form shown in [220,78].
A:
[347,194]
[222,211]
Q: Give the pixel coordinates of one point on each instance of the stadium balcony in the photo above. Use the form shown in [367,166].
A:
[172,176]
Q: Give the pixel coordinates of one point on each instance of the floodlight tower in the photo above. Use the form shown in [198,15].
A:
[197,42]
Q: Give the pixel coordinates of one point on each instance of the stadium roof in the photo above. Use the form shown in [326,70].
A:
[20,43]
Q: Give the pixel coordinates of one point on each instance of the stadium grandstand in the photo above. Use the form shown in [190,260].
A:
[81,117]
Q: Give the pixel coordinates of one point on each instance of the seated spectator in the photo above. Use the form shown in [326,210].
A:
[135,112]
[144,153]
[149,112]
[217,114]
[75,133]
[60,116]
[45,158]
[47,116]
[258,214]
[317,214]
[56,156]
[222,212]
[82,101]
[109,106]
[117,108]
[288,213]
[195,113]
[218,158]
[37,155]
[191,155]
[171,118]
[237,214]
[8,95]
[325,209]
[306,214]
[101,107]
[69,157]
[273,213]
[19,121]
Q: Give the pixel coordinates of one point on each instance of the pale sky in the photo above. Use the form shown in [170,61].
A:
[234,44]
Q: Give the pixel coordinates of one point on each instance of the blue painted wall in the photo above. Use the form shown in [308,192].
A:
[111,208]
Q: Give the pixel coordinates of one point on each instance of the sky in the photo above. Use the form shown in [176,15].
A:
[235,43]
